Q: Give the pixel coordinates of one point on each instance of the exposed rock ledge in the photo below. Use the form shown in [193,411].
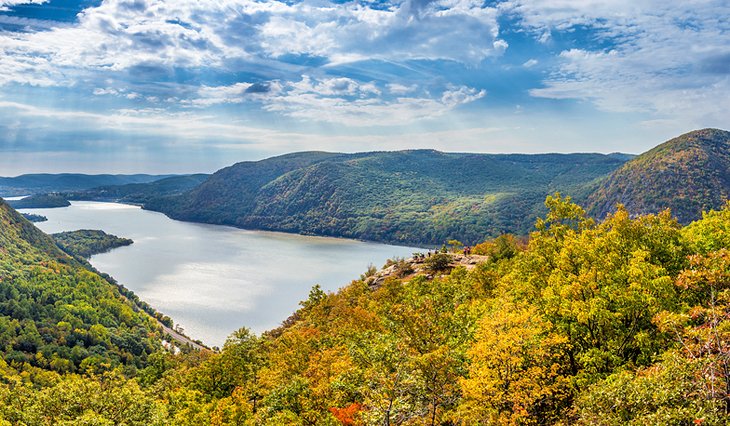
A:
[418,266]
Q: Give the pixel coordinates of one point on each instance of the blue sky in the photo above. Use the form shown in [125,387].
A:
[194,85]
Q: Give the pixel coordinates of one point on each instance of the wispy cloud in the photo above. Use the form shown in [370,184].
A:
[667,59]
[345,101]
[184,129]
[6,4]
[341,100]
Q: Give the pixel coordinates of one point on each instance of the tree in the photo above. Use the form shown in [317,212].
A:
[516,373]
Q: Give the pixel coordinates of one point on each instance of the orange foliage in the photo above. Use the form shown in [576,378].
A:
[348,415]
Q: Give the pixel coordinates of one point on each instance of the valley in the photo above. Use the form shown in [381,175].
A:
[213,279]
[586,311]
[364,213]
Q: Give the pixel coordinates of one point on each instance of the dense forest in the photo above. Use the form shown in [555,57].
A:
[688,174]
[421,197]
[88,242]
[40,201]
[619,322]
[57,316]
[46,182]
[140,193]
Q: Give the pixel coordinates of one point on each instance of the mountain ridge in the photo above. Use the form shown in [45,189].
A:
[34,183]
[688,174]
[403,197]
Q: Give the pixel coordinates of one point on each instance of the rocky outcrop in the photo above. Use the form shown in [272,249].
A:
[419,265]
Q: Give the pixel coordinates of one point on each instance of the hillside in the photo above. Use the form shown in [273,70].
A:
[40,201]
[46,182]
[139,193]
[619,322]
[407,197]
[55,314]
[687,174]
[88,242]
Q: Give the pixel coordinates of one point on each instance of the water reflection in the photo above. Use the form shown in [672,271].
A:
[214,279]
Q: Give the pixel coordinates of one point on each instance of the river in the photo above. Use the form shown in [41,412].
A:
[215,279]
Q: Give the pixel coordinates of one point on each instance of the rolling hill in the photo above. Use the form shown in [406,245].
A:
[688,174]
[139,193]
[409,197]
[40,201]
[45,182]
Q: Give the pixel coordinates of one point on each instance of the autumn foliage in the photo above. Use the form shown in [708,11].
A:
[348,415]
[625,321]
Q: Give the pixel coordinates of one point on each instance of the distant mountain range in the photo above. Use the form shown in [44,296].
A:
[44,182]
[408,197]
[140,193]
[426,197]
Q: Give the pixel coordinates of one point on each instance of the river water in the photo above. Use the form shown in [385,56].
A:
[215,279]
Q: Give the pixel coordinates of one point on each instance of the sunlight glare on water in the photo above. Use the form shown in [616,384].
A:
[214,279]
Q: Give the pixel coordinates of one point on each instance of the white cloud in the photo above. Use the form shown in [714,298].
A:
[345,101]
[668,59]
[5,4]
[105,91]
[116,35]
[341,100]
[530,63]
[400,89]
[121,34]
[335,86]
[232,94]
[128,48]
[460,30]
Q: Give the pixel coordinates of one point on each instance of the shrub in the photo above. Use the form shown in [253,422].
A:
[438,262]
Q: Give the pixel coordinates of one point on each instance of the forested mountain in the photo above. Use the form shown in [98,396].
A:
[612,322]
[687,174]
[40,201]
[407,197]
[620,322]
[140,193]
[88,242]
[57,315]
[46,182]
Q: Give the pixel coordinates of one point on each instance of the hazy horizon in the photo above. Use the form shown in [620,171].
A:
[105,171]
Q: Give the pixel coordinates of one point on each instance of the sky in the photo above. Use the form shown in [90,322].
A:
[177,86]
